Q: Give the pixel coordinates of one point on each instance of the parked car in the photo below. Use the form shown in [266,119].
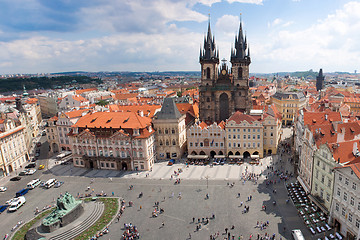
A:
[3,208]
[17,178]
[58,184]
[23,173]
[17,204]
[41,167]
[3,189]
[22,192]
[31,172]
[31,165]
[9,202]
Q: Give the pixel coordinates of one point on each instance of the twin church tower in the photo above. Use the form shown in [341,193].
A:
[224,91]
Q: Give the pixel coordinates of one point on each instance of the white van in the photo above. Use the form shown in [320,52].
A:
[33,184]
[16,204]
[51,182]
[297,234]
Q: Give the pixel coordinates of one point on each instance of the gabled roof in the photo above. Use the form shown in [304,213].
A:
[126,120]
[79,98]
[239,117]
[320,118]
[168,110]
[80,91]
[343,153]
[75,113]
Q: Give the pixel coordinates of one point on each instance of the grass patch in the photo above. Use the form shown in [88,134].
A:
[110,209]
[20,234]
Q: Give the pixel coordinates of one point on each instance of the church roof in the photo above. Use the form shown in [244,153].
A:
[168,110]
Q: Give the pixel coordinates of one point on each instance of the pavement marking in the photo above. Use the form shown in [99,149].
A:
[173,217]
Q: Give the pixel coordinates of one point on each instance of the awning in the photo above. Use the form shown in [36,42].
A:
[219,156]
[255,156]
[303,184]
[236,156]
[319,204]
[198,156]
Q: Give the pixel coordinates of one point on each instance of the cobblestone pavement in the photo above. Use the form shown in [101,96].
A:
[196,182]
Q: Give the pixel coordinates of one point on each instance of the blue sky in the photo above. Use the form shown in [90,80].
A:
[42,36]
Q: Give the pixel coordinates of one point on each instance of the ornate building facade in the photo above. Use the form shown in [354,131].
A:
[224,91]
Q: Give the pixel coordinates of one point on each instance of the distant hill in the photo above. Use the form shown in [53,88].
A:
[15,84]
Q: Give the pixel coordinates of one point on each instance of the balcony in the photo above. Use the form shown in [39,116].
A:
[95,158]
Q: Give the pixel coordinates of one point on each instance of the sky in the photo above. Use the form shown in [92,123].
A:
[44,36]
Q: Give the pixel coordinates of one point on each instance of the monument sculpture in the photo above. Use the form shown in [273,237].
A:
[67,210]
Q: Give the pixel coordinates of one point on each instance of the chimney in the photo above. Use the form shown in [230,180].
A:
[326,117]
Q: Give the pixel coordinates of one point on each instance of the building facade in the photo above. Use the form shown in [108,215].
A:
[224,91]
[170,131]
[288,104]
[204,139]
[113,140]
[345,207]
[13,150]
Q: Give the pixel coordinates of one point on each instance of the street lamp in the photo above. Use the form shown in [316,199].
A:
[207,181]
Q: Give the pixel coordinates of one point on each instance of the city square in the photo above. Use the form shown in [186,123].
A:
[203,191]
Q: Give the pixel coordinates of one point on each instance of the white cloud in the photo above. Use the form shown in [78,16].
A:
[259,2]
[227,24]
[174,50]
[331,43]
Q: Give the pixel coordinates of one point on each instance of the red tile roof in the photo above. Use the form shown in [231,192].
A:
[239,117]
[127,120]
[319,118]
[80,91]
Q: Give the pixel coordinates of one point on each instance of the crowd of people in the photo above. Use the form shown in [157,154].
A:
[130,233]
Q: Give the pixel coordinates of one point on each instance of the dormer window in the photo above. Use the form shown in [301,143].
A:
[136,132]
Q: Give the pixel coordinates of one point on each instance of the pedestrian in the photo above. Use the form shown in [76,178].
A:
[189,236]
[162,224]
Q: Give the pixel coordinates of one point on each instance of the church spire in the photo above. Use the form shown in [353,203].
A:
[209,49]
[239,52]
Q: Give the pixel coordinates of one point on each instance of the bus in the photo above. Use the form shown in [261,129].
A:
[62,155]
[297,234]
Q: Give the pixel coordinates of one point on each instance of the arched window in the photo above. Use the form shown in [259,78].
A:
[206,142]
[173,142]
[208,99]
[240,72]
[240,94]
[208,73]
[166,131]
[167,142]
[161,143]
[173,131]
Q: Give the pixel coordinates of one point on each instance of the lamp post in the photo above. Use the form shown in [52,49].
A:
[207,181]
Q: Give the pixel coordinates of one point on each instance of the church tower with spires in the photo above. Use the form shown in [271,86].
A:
[224,91]
[240,61]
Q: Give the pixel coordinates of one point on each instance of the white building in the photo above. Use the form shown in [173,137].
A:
[345,208]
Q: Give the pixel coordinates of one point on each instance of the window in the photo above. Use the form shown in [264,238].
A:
[359,206]
[249,136]
[345,196]
[340,178]
[322,193]
[318,163]
[191,144]
[173,131]
[258,144]
[159,131]
[343,211]
[329,182]
[234,136]
[316,187]
[346,181]
[337,207]
[229,136]
[258,136]
[354,186]
[357,223]
[350,217]
[322,178]
[254,136]
[352,202]
[244,136]
[328,197]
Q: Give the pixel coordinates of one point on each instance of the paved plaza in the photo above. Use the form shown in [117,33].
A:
[157,186]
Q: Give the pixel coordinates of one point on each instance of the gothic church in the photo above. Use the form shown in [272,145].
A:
[224,91]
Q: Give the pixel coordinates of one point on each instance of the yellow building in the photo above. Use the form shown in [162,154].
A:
[288,104]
